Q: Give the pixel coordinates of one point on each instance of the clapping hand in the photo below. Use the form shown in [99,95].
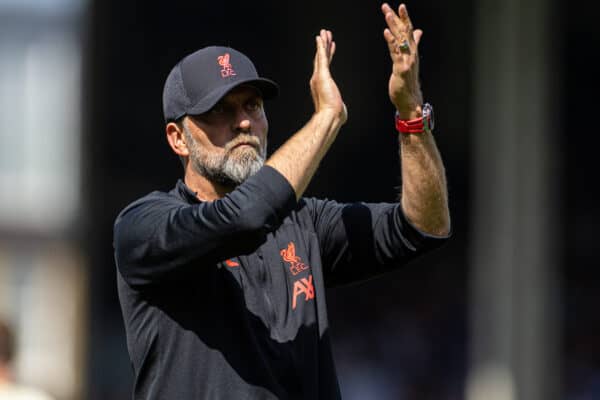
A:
[403,42]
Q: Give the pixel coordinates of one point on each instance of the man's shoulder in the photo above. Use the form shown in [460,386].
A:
[152,200]
[316,205]
[314,209]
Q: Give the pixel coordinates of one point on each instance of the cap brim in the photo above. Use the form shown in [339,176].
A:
[267,88]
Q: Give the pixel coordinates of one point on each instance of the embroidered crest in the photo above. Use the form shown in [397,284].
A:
[226,67]
[289,255]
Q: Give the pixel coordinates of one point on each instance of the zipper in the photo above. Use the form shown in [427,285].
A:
[270,309]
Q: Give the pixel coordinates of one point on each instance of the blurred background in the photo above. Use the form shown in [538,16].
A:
[506,310]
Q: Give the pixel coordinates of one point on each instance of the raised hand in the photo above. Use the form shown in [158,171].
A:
[403,41]
[324,90]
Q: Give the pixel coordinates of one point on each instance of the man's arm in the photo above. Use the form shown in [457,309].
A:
[424,193]
[161,238]
[298,158]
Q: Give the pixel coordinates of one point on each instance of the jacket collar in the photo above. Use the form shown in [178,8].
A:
[182,191]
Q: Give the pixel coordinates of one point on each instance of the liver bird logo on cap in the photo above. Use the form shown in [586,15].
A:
[226,67]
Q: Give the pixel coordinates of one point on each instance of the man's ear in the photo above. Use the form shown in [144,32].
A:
[176,139]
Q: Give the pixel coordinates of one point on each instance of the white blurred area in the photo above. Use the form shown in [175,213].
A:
[42,273]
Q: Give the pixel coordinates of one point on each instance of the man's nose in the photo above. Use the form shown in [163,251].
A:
[242,121]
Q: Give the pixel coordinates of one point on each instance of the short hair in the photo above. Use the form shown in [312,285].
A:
[7,343]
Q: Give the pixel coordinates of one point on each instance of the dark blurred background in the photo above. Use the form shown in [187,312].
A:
[408,335]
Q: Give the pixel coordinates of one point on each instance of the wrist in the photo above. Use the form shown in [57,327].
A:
[418,121]
[409,106]
[326,123]
[335,115]
[409,110]
[408,113]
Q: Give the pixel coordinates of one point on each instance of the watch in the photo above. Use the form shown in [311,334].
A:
[425,123]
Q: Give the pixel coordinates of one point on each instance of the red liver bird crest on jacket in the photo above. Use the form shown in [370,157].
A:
[289,255]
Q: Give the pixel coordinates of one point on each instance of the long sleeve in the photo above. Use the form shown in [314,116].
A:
[359,240]
[157,237]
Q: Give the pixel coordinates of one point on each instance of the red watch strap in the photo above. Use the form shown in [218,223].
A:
[410,125]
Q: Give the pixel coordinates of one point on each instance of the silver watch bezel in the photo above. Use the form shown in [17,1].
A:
[428,120]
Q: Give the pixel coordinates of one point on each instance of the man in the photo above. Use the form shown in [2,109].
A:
[222,280]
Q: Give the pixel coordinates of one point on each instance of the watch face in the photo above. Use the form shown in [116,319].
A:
[428,116]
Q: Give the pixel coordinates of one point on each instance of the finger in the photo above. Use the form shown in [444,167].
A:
[399,27]
[329,44]
[392,43]
[389,38]
[403,15]
[332,52]
[325,36]
[325,40]
[322,59]
[395,25]
[388,12]
[385,8]
[316,59]
[417,34]
[331,47]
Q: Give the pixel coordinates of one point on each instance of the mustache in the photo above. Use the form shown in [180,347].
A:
[243,139]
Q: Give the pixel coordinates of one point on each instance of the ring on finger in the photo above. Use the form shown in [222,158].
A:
[404,46]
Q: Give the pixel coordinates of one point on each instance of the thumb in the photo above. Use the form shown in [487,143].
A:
[417,33]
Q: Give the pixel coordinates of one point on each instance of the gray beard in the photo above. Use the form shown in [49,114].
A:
[231,168]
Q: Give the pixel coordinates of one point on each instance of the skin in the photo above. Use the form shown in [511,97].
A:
[237,126]
[424,196]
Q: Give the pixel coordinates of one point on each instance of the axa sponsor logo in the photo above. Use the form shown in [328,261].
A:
[226,67]
[303,286]
[289,255]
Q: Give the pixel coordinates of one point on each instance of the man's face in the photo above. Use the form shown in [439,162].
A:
[228,143]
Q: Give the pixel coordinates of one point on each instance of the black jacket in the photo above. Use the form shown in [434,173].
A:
[226,299]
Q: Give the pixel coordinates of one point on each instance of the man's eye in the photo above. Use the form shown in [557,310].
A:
[254,105]
[218,109]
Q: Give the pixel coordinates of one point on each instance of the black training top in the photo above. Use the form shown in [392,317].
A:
[226,299]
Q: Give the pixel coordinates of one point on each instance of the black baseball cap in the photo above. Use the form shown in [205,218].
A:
[202,78]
